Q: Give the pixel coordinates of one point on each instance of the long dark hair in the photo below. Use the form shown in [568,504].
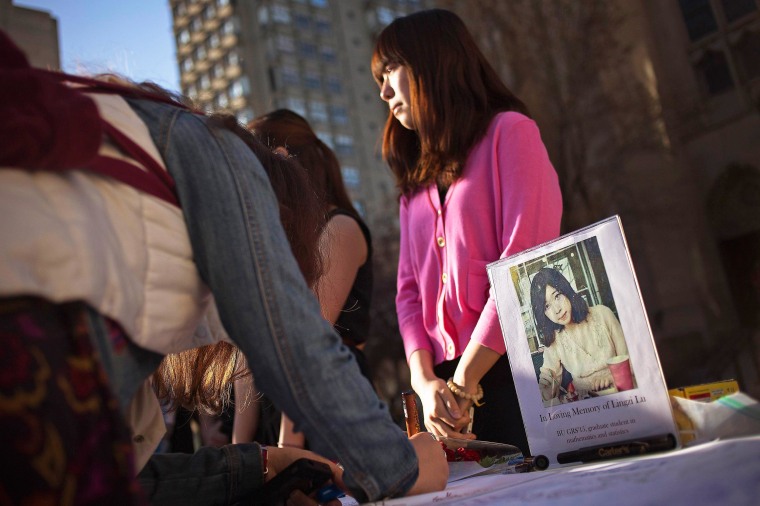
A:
[547,329]
[290,130]
[455,94]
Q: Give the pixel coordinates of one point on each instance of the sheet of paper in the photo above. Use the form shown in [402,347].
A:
[720,472]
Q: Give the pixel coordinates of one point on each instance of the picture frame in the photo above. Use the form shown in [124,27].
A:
[580,346]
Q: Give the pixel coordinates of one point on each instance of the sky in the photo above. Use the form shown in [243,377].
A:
[130,37]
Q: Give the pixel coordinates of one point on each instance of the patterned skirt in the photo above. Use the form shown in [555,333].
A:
[62,436]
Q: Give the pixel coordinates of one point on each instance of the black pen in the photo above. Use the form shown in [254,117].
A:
[620,449]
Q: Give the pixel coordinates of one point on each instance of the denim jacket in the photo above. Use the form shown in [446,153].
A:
[242,253]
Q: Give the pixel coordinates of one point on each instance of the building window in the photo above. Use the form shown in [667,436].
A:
[218,71]
[311,80]
[285,43]
[244,115]
[200,53]
[222,101]
[699,18]
[222,3]
[280,14]
[385,16]
[204,82]
[180,10]
[715,73]
[183,37]
[296,105]
[328,54]
[232,58]
[229,27]
[307,49]
[334,85]
[302,21]
[735,9]
[196,25]
[344,144]
[322,24]
[187,65]
[326,137]
[213,41]
[339,115]
[318,111]
[289,75]
[319,3]
[239,88]
[359,206]
[725,52]
[191,91]
[263,15]
[351,177]
[209,12]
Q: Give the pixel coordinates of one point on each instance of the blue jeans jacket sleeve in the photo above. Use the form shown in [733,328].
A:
[242,253]
[210,476]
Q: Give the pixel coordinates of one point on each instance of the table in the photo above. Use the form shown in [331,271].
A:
[723,472]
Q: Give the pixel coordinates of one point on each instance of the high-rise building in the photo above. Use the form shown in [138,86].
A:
[35,31]
[311,56]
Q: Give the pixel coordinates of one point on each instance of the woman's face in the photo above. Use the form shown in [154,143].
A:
[557,307]
[395,90]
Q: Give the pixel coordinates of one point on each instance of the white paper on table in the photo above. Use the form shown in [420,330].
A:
[721,472]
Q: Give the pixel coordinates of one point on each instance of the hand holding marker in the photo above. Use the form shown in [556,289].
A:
[519,464]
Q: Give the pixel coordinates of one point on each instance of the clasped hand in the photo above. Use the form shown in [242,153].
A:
[445,414]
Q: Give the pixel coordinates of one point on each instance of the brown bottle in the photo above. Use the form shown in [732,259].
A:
[411,415]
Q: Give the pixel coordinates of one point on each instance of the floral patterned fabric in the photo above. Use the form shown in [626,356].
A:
[62,436]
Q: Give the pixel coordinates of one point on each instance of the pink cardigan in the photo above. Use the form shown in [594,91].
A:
[507,199]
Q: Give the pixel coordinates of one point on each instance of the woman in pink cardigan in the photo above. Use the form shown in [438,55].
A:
[476,185]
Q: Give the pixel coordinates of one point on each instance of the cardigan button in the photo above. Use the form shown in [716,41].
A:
[444,277]
[441,242]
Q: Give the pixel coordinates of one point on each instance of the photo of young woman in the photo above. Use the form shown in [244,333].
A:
[578,339]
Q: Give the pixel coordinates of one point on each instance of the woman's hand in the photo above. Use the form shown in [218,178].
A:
[280,458]
[598,380]
[602,381]
[434,469]
[462,426]
[441,409]
[443,414]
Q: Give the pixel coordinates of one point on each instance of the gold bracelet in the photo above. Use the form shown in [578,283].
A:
[457,390]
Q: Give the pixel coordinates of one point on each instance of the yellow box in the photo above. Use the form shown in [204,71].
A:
[706,392]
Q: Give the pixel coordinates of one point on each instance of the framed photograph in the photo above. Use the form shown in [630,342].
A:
[579,344]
